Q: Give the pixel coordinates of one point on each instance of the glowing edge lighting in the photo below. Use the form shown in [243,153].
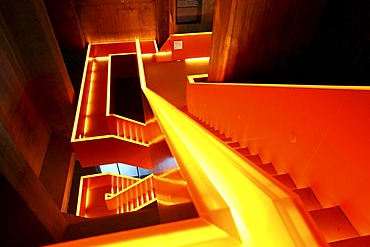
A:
[109,174]
[84,178]
[77,116]
[156,46]
[127,119]
[191,34]
[197,59]
[111,196]
[80,190]
[140,65]
[107,110]
[227,170]
[308,233]
[192,77]
[110,136]
[191,232]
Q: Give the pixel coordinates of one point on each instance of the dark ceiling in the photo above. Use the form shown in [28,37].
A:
[262,41]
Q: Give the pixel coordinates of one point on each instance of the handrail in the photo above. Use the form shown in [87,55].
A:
[87,182]
[302,129]
[127,128]
[217,175]
[138,195]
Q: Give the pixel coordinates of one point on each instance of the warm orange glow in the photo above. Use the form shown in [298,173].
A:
[107,109]
[193,232]
[163,53]
[128,119]
[222,167]
[140,65]
[191,34]
[77,116]
[298,128]
[230,214]
[111,136]
[90,193]
[89,99]
[197,59]
[85,126]
[101,59]
[80,201]
[225,171]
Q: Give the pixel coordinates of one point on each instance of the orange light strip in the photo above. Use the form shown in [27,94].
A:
[127,119]
[110,136]
[156,46]
[79,200]
[89,96]
[192,232]
[197,59]
[190,34]
[107,109]
[111,196]
[77,116]
[81,205]
[109,174]
[140,65]
[191,81]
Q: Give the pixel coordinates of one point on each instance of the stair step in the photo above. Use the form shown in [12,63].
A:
[308,198]
[333,224]
[286,180]
[363,241]
[216,133]
[255,159]
[224,138]
[269,168]
[233,144]
[243,151]
[220,136]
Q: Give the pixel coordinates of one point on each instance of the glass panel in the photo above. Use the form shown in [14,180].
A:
[109,168]
[126,170]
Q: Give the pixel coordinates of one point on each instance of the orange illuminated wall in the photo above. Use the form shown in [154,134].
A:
[319,135]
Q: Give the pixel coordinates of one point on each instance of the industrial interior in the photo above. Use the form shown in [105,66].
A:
[185,123]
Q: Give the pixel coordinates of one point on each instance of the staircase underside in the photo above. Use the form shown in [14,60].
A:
[333,224]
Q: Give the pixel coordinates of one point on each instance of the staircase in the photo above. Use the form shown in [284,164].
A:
[133,197]
[334,225]
[128,129]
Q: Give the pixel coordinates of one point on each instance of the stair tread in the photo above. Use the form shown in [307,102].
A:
[215,132]
[255,159]
[233,144]
[308,198]
[333,223]
[224,138]
[286,180]
[243,151]
[363,241]
[269,168]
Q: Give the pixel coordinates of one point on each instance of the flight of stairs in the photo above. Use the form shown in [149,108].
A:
[334,225]
[128,129]
[133,197]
